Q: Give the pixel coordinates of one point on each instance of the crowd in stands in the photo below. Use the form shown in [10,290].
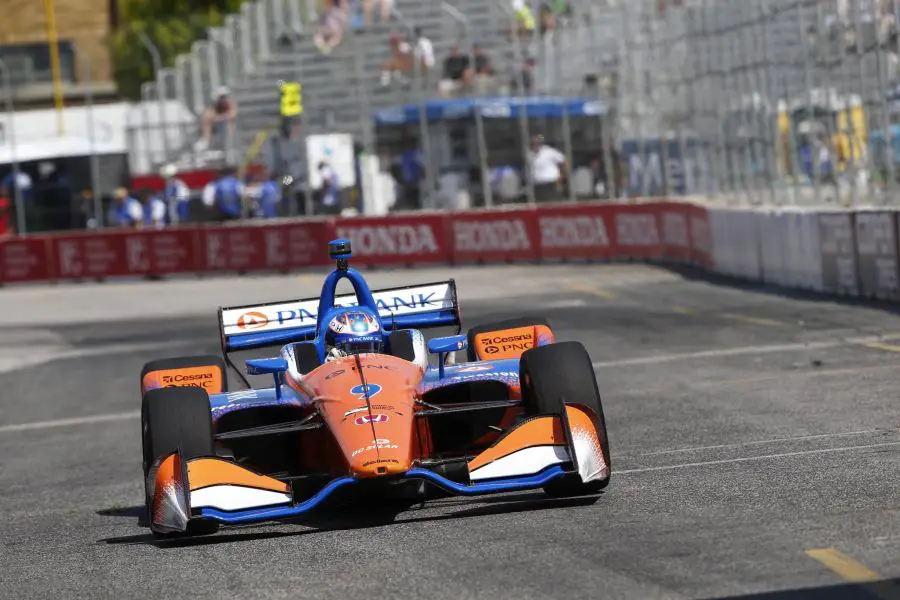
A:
[857,26]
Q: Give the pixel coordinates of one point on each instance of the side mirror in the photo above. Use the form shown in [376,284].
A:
[443,345]
[266,366]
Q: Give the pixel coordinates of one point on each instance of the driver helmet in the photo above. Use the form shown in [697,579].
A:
[354,331]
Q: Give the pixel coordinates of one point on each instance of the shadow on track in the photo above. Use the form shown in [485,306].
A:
[346,518]
[888,589]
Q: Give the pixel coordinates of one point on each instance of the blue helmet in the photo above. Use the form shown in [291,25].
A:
[355,330]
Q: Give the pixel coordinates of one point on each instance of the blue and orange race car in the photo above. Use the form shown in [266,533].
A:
[357,411]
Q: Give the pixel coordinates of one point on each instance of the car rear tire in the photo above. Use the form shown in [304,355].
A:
[176,419]
[499,326]
[550,375]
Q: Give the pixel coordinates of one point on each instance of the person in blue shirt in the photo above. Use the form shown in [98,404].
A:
[330,190]
[268,195]
[411,171]
[154,209]
[125,211]
[229,196]
[176,194]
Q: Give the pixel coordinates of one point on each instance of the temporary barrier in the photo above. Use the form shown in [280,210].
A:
[837,249]
[876,251]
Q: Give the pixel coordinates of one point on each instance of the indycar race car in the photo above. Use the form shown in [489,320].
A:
[357,412]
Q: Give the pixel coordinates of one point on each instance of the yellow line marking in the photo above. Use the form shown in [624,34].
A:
[592,291]
[843,565]
[882,346]
[856,572]
[751,320]
[682,310]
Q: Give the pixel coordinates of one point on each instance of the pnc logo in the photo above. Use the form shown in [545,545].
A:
[252,320]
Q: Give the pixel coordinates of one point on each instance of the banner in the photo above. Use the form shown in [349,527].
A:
[25,259]
[495,236]
[396,239]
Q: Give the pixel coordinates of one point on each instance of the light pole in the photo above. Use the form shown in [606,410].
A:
[456,15]
[11,116]
[160,89]
[94,162]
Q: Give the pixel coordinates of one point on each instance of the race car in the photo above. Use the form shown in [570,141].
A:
[357,411]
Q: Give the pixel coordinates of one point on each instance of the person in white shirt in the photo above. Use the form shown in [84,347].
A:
[548,166]
[424,50]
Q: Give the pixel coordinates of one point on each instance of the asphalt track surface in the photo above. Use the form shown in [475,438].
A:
[755,441]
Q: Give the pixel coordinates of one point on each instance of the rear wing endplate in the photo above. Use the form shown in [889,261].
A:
[411,307]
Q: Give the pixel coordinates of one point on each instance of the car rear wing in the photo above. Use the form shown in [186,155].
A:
[411,307]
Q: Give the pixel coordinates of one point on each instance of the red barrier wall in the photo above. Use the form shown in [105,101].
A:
[674,231]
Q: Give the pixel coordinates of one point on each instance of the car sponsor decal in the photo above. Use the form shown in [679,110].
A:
[252,320]
[382,461]
[375,418]
[208,378]
[507,342]
[379,443]
[379,407]
[365,391]
[474,369]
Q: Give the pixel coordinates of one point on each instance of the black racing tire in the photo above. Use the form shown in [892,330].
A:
[176,419]
[499,326]
[187,362]
[561,372]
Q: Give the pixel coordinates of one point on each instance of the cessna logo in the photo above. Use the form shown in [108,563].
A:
[573,232]
[188,380]
[252,320]
[478,236]
[380,240]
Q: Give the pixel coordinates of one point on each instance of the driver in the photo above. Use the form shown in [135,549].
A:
[355,330]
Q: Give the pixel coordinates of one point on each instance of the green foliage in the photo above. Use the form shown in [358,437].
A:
[172,25]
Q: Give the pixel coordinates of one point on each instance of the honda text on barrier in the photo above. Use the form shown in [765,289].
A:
[357,413]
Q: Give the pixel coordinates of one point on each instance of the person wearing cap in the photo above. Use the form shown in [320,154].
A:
[547,168]
[125,211]
[175,195]
[219,120]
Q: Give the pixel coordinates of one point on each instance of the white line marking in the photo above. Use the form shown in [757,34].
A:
[36,359]
[800,438]
[739,351]
[89,420]
[755,458]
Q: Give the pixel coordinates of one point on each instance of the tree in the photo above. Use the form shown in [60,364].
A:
[172,25]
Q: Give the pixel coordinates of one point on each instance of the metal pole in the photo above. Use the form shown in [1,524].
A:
[160,92]
[53,40]
[424,133]
[11,116]
[884,112]
[479,122]
[567,140]
[94,162]
[523,117]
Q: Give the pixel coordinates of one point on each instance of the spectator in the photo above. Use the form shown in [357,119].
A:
[400,64]
[26,190]
[384,10]
[457,73]
[228,195]
[547,168]
[424,51]
[484,69]
[331,27]
[268,195]
[125,211]
[6,214]
[176,196]
[329,191]
[411,171]
[154,210]
[218,122]
[524,23]
[526,78]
